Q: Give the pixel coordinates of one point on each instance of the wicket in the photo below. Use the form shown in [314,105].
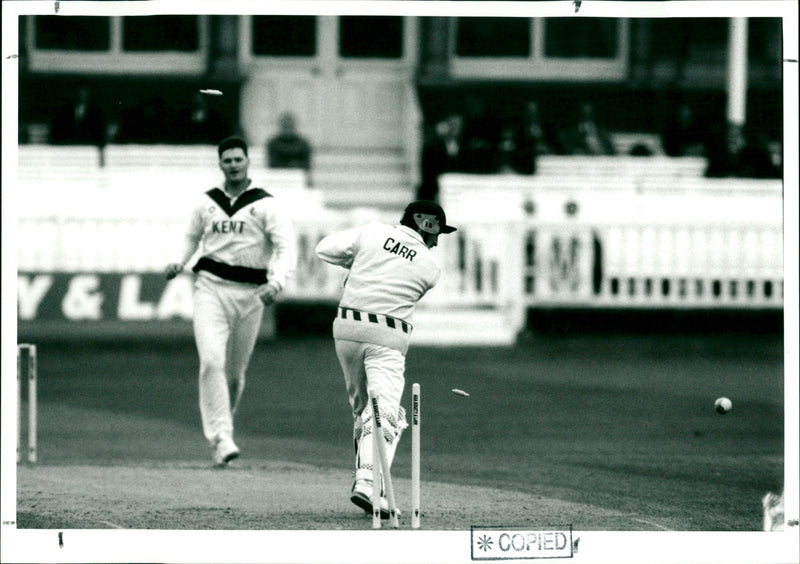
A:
[415,456]
[381,463]
[376,476]
[380,460]
[26,365]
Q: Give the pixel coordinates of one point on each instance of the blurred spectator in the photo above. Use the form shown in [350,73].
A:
[531,140]
[775,151]
[682,135]
[725,153]
[641,150]
[442,152]
[736,155]
[81,122]
[536,130]
[507,150]
[479,138]
[587,136]
[761,158]
[201,123]
[146,123]
[289,149]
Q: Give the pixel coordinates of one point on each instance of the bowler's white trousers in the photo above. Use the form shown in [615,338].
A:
[227,318]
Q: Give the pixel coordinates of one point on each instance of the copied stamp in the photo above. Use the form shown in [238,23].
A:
[514,543]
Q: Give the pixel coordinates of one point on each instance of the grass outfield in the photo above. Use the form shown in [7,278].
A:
[614,432]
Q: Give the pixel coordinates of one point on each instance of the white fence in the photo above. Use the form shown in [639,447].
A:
[667,265]
[616,241]
[667,239]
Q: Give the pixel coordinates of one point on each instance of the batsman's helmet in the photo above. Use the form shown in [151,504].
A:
[426,216]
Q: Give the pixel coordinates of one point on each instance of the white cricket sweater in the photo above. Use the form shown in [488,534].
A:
[391,269]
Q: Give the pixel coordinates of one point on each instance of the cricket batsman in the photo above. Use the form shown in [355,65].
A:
[391,267]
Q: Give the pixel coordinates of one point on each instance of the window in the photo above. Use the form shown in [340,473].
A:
[580,38]
[493,37]
[766,39]
[160,33]
[73,33]
[375,37]
[284,36]
[117,45]
[704,39]
[575,49]
[707,32]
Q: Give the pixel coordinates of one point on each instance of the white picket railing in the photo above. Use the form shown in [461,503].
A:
[580,241]
[484,265]
[661,266]
[671,239]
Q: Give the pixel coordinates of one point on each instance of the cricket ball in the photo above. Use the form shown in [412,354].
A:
[723,405]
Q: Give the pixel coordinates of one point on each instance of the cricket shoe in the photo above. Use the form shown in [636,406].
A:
[361,495]
[225,451]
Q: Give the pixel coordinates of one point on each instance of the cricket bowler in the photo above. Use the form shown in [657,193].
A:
[247,252]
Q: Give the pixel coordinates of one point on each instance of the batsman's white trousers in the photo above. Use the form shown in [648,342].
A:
[371,366]
[227,318]
[382,370]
